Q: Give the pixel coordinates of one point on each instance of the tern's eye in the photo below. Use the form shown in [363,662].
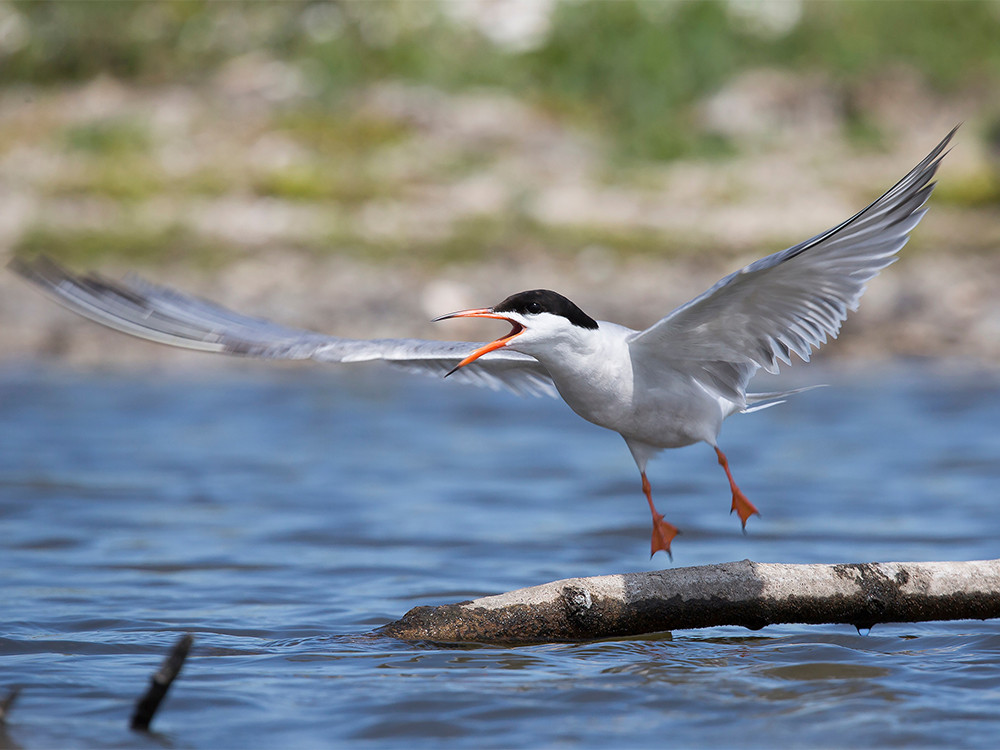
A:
[534,308]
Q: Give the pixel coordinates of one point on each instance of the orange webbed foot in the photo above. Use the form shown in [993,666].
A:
[743,507]
[663,533]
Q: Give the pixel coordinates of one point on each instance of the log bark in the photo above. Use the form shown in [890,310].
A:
[744,593]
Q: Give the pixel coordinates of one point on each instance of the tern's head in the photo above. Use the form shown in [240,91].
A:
[539,319]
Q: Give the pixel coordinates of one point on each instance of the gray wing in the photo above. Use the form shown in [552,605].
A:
[790,301]
[167,316]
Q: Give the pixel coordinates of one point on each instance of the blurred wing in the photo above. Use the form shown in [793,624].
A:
[167,316]
[790,301]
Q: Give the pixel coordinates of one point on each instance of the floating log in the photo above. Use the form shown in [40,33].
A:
[744,593]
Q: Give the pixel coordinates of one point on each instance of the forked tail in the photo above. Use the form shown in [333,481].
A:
[758,401]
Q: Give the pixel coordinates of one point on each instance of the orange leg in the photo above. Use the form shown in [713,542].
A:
[741,505]
[663,532]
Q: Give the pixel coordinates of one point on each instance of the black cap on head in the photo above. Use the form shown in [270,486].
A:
[543,300]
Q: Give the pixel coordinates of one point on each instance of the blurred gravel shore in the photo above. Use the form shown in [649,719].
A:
[363,260]
[922,307]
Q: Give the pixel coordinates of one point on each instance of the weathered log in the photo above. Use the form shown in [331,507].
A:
[742,593]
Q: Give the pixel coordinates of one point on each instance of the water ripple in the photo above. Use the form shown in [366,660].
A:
[281,518]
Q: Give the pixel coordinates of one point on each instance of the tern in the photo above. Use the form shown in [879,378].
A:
[668,386]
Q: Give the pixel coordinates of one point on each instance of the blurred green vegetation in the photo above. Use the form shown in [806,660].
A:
[484,237]
[629,69]
[128,179]
[631,72]
[110,136]
[473,239]
[139,243]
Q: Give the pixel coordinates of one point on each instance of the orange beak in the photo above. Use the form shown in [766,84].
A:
[483,312]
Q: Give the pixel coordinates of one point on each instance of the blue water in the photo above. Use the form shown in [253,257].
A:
[281,515]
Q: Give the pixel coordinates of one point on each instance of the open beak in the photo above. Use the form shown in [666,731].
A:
[483,312]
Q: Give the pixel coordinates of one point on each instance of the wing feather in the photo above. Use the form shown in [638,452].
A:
[790,302]
[167,316]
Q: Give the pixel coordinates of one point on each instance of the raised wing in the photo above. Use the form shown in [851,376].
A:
[164,315]
[790,301]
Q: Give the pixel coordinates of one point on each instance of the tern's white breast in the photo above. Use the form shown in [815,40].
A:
[650,402]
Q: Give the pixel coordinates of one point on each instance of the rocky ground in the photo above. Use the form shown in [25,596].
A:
[419,203]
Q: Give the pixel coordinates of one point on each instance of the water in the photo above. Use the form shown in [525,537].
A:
[281,515]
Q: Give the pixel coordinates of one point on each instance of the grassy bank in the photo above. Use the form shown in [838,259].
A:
[631,71]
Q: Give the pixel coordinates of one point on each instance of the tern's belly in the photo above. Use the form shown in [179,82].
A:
[669,416]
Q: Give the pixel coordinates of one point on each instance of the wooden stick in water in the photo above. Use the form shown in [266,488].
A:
[5,705]
[743,593]
[146,707]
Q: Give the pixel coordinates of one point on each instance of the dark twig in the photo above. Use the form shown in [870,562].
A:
[7,702]
[160,683]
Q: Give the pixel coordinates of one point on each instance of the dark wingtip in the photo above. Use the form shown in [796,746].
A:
[25,268]
[40,269]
